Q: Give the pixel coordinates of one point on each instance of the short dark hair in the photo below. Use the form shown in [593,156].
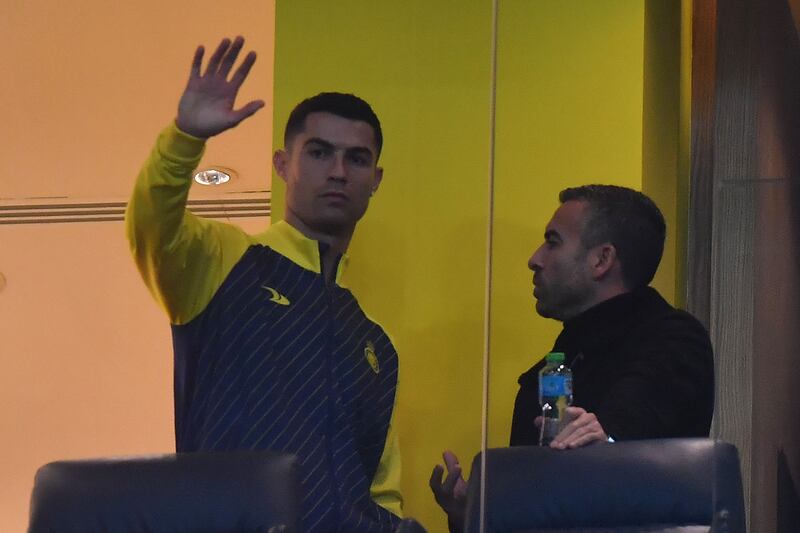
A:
[627,219]
[340,104]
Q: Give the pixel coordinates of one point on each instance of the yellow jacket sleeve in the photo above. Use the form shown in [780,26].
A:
[385,488]
[182,258]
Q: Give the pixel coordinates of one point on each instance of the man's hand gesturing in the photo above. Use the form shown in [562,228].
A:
[451,495]
[206,107]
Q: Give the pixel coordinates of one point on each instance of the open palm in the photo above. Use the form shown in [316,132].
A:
[206,106]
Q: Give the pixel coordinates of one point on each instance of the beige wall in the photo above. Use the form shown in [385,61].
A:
[85,353]
[94,82]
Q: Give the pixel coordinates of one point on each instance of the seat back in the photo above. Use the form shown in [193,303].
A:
[684,485]
[225,491]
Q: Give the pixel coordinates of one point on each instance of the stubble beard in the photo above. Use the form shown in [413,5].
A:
[546,310]
[338,225]
[570,303]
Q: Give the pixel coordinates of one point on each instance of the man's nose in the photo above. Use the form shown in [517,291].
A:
[338,170]
[534,262]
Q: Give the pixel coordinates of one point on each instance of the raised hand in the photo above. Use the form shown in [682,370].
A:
[206,106]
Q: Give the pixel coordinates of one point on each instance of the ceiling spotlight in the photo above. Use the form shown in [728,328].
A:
[212,176]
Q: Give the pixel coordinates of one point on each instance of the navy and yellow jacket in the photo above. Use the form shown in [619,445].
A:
[267,354]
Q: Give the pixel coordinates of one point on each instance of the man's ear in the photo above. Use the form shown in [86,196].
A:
[603,258]
[378,178]
[280,161]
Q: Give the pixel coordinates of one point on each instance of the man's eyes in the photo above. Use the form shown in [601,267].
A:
[355,158]
[359,159]
[319,153]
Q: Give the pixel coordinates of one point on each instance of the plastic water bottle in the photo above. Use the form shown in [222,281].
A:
[555,394]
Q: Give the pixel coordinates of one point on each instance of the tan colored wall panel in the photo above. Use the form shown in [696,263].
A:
[89,84]
[85,352]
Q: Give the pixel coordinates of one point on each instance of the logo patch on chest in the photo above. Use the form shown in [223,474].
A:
[275,296]
[371,357]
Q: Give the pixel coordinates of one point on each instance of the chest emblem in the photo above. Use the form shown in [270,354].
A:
[275,296]
[372,359]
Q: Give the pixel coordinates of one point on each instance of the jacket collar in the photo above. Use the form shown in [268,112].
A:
[592,331]
[305,252]
[609,320]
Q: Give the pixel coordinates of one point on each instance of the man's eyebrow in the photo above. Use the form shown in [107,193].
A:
[361,150]
[321,142]
[330,146]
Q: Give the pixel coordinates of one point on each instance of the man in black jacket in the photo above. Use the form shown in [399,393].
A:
[641,368]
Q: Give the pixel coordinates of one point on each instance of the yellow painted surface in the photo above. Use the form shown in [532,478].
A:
[569,112]
[661,136]
[681,229]
[417,261]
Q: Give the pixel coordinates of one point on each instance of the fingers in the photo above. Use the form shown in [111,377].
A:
[213,63]
[452,479]
[450,494]
[454,484]
[450,459]
[196,62]
[223,59]
[230,57]
[436,479]
[573,413]
[538,421]
[247,110]
[440,493]
[574,429]
[244,69]
[568,425]
[583,430]
[206,105]
[582,439]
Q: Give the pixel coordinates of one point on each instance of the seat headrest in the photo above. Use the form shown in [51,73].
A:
[225,491]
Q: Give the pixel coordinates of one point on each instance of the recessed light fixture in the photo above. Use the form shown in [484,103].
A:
[213,176]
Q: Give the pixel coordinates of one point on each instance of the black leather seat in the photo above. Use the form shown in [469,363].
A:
[675,485]
[232,491]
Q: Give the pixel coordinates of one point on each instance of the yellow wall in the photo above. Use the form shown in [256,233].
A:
[661,137]
[569,112]
[683,177]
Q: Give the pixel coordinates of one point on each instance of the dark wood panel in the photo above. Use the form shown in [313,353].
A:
[744,241]
[732,296]
[702,160]
[776,349]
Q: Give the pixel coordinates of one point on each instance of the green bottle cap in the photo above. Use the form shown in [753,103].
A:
[555,357]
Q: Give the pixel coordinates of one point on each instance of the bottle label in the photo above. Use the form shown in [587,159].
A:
[555,385]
